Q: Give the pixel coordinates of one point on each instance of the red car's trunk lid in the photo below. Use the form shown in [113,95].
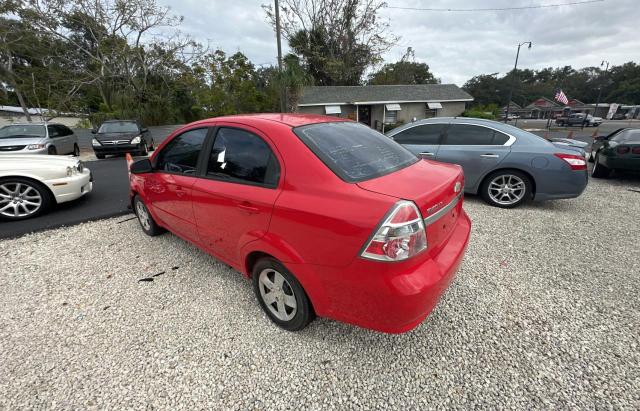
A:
[432,187]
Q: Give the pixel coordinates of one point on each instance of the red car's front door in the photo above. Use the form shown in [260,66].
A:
[233,200]
[168,189]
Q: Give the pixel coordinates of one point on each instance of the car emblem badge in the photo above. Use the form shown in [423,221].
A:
[457,187]
[434,208]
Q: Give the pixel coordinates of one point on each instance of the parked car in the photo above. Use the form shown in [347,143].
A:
[38,138]
[30,184]
[619,116]
[617,151]
[327,216]
[120,137]
[594,121]
[504,164]
[598,141]
[579,119]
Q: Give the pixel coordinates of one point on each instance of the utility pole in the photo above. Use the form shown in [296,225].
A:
[283,107]
[595,111]
[513,82]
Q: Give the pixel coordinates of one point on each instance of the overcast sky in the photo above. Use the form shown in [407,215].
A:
[456,45]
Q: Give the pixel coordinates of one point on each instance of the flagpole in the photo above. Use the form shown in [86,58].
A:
[513,81]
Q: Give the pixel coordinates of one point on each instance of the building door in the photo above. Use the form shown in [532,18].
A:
[364,115]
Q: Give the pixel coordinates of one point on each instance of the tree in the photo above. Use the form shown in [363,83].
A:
[621,84]
[114,38]
[405,71]
[293,78]
[231,85]
[335,40]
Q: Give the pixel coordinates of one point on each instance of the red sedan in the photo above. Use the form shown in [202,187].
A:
[326,216]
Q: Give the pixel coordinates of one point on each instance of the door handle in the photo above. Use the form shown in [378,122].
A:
[426,154]
[246,206]
[489,155]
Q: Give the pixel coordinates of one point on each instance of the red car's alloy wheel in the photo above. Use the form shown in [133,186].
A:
[277,294]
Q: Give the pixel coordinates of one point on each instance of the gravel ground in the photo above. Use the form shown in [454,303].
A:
[544,313]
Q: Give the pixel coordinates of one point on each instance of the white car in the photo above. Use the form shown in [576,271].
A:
[30,184]
[594,121]
[38,138]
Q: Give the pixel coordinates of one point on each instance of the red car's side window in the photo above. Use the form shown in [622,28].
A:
[242,157]
[180,155]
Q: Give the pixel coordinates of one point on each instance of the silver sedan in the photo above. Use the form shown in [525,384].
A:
[504,164]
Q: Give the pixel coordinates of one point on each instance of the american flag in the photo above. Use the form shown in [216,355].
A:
[561,97]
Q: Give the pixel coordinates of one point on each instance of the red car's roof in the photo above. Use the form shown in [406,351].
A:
[290,119]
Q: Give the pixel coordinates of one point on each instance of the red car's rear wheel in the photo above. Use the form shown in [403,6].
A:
[281,296]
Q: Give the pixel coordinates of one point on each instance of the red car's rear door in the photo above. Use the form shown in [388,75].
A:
[234,198]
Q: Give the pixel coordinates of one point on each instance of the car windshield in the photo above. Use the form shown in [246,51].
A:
[353,151]
[22,131]
[118,127]
[627,136]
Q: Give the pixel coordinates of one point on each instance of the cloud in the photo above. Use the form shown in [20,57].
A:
[456,45]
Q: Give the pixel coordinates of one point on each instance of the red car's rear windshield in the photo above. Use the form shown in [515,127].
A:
[353,151]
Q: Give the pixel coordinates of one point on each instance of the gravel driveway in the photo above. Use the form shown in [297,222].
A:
[544,313]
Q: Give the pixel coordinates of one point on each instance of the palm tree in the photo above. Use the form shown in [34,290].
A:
[293,78]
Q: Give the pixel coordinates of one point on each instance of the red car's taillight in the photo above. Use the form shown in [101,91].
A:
[400,236]
[574,161]
[636,150]
[623,150]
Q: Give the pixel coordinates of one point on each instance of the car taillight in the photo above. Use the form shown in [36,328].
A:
[575,162]
[636,150]
[400,236]
[622,149]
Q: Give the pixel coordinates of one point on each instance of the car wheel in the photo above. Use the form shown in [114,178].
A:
[149,226]
[22,198]
[76,150]
[506,188]
[599,171]
[52,151]
[100,156]
[281,296]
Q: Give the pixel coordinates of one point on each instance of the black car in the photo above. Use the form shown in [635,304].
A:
[619,150]
[122,136]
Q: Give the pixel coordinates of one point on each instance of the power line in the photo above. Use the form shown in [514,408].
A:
[540,6]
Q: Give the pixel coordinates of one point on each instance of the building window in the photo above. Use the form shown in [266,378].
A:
[391,113]
[432,110]
[391,117]
[332,111]
[430,113]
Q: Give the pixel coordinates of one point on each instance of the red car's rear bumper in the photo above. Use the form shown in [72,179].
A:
[387,297]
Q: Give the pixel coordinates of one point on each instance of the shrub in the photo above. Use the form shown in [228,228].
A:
[478,114]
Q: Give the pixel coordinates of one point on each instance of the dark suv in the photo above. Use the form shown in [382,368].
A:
[122,136]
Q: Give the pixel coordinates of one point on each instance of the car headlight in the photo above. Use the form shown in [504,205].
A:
[95,142]
[136,140]
[35,146]
[75,169]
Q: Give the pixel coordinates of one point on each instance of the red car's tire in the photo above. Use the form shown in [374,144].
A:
[280,295]
[147,223]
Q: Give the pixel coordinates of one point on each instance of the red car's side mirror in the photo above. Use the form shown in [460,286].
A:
[141,167]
